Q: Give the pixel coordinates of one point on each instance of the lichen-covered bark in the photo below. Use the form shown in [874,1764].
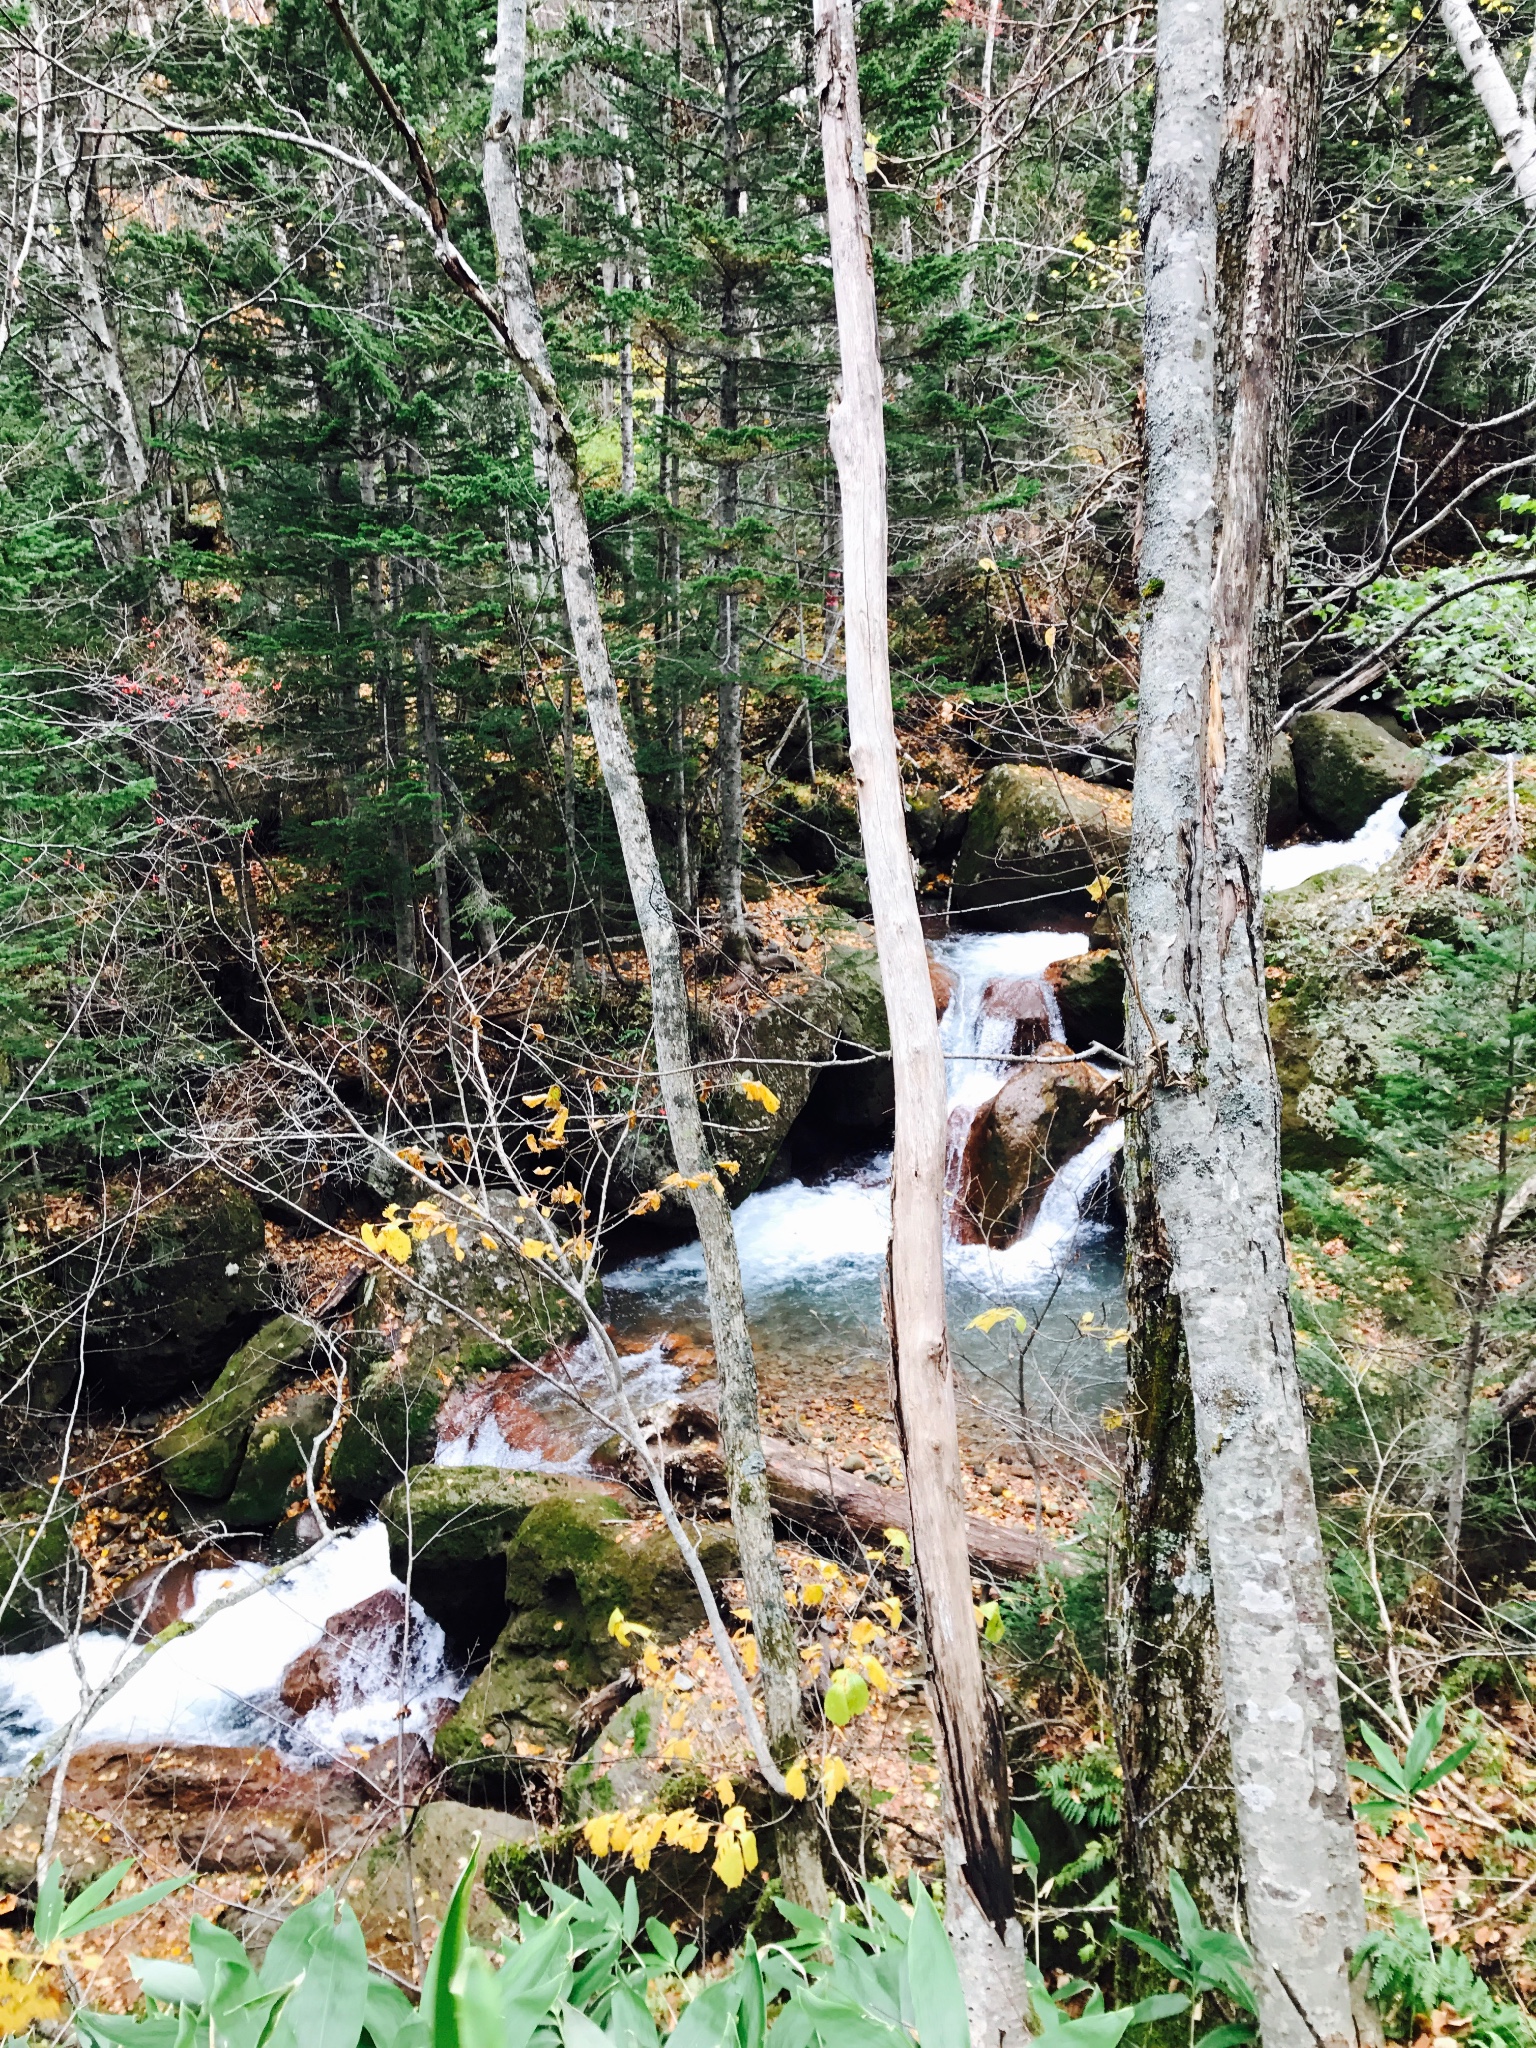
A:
[1170,1716]
[1225,219]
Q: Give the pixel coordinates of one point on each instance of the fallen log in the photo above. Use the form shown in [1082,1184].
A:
[811,1493]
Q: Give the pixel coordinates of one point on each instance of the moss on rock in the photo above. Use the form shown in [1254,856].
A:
[449,1530]
[421,1331]
[190,1286]
[1034,833]
[1347,767]
[573,1561]
[34,1554]
[200,1455]
[1090,992]
[276,1454]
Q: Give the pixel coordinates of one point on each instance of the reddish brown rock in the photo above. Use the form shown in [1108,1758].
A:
[216,1807]
[357,1643]
[1025,1003]
[1038,1119]
[943,984]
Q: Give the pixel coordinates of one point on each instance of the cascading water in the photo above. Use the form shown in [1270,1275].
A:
[812,1254]
[812,1258]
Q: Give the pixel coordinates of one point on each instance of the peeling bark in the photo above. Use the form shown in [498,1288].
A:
[1225,214]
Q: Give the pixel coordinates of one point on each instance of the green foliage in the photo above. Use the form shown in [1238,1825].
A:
[1468,672]
[1399,1780]
[1411,1979]
[577,1975]
[1204,1960]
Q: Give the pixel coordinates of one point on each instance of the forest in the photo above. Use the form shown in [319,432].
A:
[767,1032]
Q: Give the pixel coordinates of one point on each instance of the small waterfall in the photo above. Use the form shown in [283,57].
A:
[978,1039]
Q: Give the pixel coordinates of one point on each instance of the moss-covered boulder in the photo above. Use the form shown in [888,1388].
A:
[1284,797]
[277,1452]
[1090,993]
[1347,767]
[1034,834]
[817,823]
[624,1769]
[1437,786]
[35,1556]
[200,1454]
[449,1530]
[572,1562]
[422,1329]
[187,1289]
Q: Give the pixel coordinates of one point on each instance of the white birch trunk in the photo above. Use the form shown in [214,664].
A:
[1512,123]
[740,1436]
[986,147]
[979,1884]
[1203,1072]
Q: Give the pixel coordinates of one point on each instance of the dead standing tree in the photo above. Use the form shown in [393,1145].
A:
[1212,1362]
[979,1904]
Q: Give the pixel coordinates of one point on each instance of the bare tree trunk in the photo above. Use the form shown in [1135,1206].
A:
[1237,111]
[576,931]
[740,1436]
[734,936]
[432,759]
[986,149]
[1513,124]
[979,1903]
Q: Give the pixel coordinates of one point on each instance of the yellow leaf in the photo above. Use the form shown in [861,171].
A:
[621,1630]
[396,1242]
[598,1831]
[550,1099]
[651,1661]
[863,1631]
[725,1791]
[1050,636]
[756,1092]
[812,1595]
[488,1242]
[566,1194]
[676,1749]
[685,1830]
[891,1609]
[646,1204]
[989,1319]
[988,564]
[794,1781]
[730,1865]
[412,1158]
[748,1648]
[900,1542]
[554,1135]
[834,1778]
[730,1166]
[534,1248]
[1100,887]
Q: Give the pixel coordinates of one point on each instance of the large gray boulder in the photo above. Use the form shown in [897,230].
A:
[187,1291]
[1347,766]
[1038,835]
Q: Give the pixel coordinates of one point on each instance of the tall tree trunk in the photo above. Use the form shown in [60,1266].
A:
[1225,215]
[979,1901]
[986,149]
[432,760]
[576,929]
[734,936]
[741,1439]
[1513,124]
